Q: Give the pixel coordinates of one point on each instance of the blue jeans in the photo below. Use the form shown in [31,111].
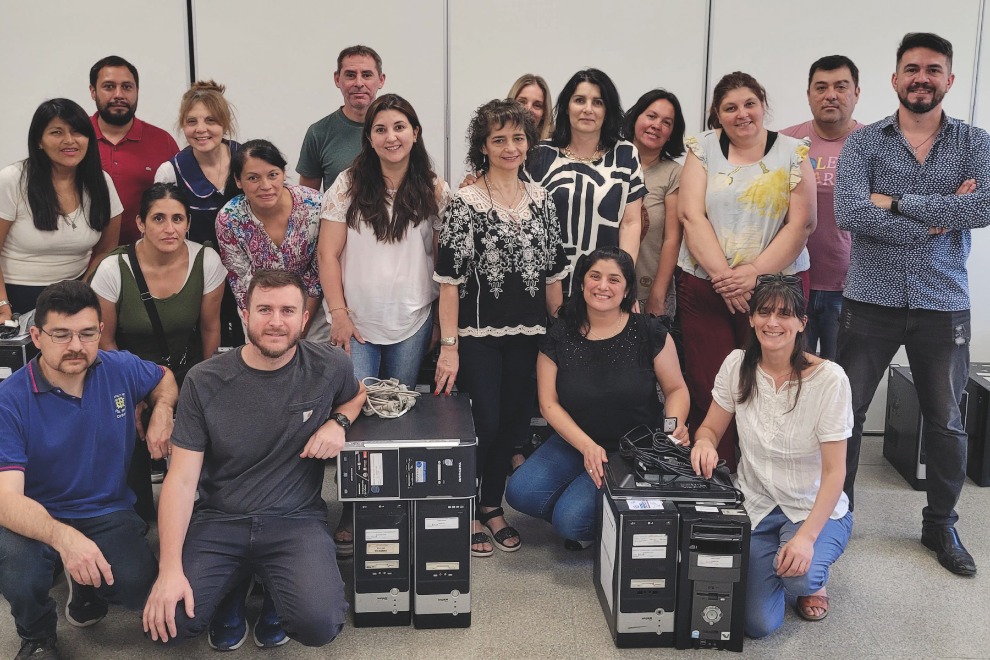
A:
[823,322]
[765,592]
[937,346]
[552,484]
[27,569]
[399,360]
[295,558]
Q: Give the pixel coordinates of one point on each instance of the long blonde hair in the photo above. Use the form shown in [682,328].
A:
[545,127]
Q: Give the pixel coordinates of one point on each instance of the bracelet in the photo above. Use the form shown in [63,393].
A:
[337,309]
[4,303]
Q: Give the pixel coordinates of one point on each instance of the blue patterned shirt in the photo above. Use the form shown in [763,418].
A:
[895,262]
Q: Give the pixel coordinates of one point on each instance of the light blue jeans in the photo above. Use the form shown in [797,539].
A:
[766,592]
[552,484]
[400,360]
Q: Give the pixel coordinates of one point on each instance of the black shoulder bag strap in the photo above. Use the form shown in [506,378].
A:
[149,305]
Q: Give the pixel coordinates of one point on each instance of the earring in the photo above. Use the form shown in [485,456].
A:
[484,161]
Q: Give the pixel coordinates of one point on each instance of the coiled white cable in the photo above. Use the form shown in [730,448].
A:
[387,398]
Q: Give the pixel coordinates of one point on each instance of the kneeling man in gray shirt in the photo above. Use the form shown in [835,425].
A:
[253,429]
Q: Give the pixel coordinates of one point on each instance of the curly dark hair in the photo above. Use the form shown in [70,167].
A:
[492,116]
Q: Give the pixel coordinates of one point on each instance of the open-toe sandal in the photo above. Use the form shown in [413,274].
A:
[345,546]
[805,604]
[480,538]
[502,535]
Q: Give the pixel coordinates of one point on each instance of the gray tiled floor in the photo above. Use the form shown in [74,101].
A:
[890,599]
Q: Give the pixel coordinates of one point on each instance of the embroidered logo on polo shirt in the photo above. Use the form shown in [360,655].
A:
[120,404]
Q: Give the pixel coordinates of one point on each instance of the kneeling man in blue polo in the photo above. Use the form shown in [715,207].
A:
[66,438]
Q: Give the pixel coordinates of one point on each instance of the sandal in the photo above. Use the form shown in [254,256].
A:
[805,604]
[343,535]
[502,535]
[480,538]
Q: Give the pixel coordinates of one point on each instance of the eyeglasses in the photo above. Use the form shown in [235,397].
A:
[65,336]
[778,277]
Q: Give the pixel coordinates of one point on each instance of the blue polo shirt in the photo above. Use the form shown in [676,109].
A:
[75,452]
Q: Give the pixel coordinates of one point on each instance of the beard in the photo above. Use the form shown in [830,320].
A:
[274,354]
[117,118]
[921,107]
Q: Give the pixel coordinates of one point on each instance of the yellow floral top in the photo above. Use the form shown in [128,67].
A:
[747,204]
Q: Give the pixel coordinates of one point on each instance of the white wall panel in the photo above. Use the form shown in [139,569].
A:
[640,44]
[277,61]
[48,48]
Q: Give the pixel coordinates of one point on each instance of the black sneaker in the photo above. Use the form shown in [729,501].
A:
[84,607]
[39,649]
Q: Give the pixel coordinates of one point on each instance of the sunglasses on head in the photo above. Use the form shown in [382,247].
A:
[778,277]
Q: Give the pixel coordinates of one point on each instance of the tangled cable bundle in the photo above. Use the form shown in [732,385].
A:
[387,398]
[654,452]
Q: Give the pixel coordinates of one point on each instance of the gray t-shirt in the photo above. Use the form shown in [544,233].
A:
[329,147]
[252,425]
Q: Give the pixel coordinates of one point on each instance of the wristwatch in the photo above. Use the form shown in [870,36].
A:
[341,419]
[895,201]
[448,341]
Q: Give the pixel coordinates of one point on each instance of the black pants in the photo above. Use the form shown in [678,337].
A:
[498,374]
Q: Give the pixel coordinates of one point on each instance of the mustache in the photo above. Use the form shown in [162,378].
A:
[919,86]
[73,356]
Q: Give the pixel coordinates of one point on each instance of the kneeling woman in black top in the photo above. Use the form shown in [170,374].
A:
[597,371]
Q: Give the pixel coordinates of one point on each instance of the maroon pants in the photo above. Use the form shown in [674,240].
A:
[710,332]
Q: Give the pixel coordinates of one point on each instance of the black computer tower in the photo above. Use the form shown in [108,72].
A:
[428,452]
[978,423]
[381,563]
[635,571]
[15,353]
[441,547]
[714,561]
[903,435]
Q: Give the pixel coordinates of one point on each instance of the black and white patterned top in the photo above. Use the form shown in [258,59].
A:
[501,259]
[895,262]
[590,197]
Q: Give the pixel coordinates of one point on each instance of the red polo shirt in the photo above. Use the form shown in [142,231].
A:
[132,164]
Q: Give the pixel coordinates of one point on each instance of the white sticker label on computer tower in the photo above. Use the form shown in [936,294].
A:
[706,509]
[648,503]
[377,471]
[441,523]
[383,548]
[649,539]
[381,564]
[443,565]
[714,561]
[381,535]
[649,553]
[6,372]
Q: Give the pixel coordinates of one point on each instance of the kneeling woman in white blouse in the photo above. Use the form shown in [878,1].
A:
[794,415]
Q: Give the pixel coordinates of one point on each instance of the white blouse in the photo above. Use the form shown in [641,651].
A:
[781,458]
[32,257]
[106,279]
[388,287]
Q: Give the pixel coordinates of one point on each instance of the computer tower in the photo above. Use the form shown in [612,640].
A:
[428,452]
[635,571]
[978,423]
[441,546]
[903,435]
[15,353]
[381,563]
[711,598]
